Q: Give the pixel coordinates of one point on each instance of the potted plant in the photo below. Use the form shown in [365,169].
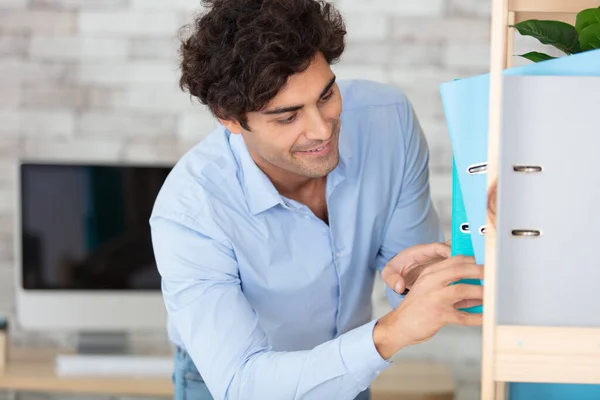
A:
[569,39]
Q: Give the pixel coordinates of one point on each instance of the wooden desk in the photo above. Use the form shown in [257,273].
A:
[412,380]
[32,370]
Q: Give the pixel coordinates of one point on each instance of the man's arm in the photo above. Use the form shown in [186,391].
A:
[221,332]
[414,220]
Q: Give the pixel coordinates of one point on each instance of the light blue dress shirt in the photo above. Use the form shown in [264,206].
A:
[269,301]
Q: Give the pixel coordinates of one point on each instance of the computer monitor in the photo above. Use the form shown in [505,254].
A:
[83,247]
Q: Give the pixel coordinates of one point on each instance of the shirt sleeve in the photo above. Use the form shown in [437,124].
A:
[414,219]
[221,331]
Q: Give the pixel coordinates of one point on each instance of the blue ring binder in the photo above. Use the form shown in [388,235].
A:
[461,238]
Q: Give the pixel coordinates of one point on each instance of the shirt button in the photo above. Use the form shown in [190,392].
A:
[338,253]
[307,216]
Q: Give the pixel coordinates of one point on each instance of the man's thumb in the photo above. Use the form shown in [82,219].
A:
[400,286]
[393,279]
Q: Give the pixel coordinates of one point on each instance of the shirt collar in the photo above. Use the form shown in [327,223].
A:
[260,192]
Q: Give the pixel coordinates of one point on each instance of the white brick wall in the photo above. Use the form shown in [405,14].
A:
[8,4]
[75,48]
[119,125]
[187,5]
[377,73]
[457,30]
[8,169]
[416,54]
[79,4]
[152,98]
[9,147]
[48,95]
[13,45]
[9,123]
[123,73]
[6,295]
[7,199]
[11,95]
[59,124]
[79,149]
[367,25]
[371,53]
[470,8]
[37,21]
[15,71]
[97,80]
[146,48]
[193,127]
[149,152]
[133,23]
[6,242]
[387,7]
[467,55]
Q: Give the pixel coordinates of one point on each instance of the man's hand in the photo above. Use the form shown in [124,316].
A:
[402,271]
[431,304]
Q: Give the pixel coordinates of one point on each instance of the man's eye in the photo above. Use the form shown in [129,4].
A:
[288,120]
[327,96]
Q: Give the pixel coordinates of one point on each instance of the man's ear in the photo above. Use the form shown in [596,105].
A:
[231,125]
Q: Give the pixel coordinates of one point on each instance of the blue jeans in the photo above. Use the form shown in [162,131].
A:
[189,385]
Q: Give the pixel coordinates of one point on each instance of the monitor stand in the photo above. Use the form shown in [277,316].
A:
[111,354]
[103,343]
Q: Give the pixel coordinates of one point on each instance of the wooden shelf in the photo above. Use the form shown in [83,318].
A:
[552,6]
[547,354]
[525,353]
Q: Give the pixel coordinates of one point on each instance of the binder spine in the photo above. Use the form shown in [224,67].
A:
[480,168]
[527,169]
[526,232]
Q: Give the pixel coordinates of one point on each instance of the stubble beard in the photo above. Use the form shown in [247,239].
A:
[322,167]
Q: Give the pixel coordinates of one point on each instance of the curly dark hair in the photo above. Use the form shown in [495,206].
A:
[241,52]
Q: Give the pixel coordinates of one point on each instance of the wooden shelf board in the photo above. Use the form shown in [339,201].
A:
[547,354]
[552,6]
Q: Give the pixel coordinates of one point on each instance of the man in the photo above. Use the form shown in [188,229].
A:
[268,234]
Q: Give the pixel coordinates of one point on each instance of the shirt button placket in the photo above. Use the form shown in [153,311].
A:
[336,256]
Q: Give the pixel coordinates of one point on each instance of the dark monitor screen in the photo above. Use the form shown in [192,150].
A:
[86,227]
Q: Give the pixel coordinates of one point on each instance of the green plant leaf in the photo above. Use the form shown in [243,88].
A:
[588,17]
[590,37]
[536,56]
[556,33]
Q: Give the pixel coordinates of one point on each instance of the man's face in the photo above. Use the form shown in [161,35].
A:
[297,132]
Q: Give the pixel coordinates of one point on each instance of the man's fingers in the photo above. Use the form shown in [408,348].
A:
[419,256]
[425,252]
[449,262]
[393,279]
[468,303]
[465,318]
[463,291]
[448,274]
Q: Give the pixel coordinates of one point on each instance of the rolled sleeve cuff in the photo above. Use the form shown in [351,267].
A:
[361,358]
[394,299]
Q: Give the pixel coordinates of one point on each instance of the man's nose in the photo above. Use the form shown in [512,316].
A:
[318,128]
